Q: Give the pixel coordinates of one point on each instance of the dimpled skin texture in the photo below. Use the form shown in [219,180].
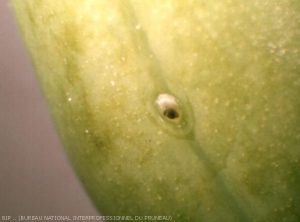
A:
[233,66]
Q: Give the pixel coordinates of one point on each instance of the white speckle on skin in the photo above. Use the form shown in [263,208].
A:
[138,26]
[69,99]
[112,83]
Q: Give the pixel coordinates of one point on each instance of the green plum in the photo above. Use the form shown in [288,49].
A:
[188,109]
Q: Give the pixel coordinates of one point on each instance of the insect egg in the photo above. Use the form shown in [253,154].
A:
[168,106]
